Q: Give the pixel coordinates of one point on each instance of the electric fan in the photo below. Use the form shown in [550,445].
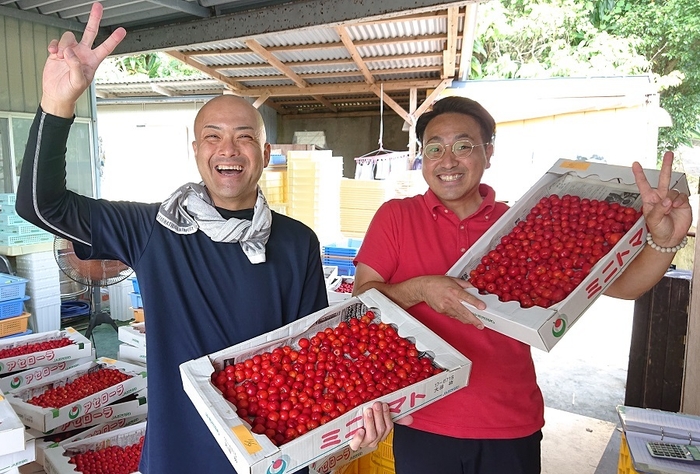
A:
[94,274]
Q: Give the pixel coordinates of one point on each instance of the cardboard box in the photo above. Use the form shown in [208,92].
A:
[132,355]
[122,408]
[11,429]
[45,419]
[19,458]
[45,442]
[56,460]
[540,327]
[20,379]
[133,334]
[256,454]
[81,348]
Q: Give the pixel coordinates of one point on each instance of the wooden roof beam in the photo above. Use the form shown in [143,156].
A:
[234,85]
[390,102]
[258,49]
[331,75]
[354,54]
[450,54]
[316,46]
[345,88]
[468,35]
[327,62]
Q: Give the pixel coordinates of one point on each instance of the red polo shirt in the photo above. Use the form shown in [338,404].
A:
[418,236]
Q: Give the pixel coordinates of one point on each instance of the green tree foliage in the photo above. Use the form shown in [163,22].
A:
[669,36]
[557,38]
[153,65]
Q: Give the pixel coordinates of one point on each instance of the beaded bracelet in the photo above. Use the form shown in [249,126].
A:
[659,248]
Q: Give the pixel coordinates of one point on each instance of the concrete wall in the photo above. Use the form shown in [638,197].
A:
[349,137]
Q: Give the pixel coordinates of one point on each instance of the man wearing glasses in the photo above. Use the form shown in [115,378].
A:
[493,425]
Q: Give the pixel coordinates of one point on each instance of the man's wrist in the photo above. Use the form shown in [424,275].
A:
[58,108]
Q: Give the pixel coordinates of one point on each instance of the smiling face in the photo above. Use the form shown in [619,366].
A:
[230,150]
[455,181]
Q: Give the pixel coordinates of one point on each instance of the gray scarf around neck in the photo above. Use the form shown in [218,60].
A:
[190,208]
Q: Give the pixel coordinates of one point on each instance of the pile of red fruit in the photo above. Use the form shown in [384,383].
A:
[345,287]
[109,460]
[289,391]
[546,255]
[83,386]
[34,347]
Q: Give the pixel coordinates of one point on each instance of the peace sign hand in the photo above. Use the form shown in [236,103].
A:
[71,65]
[667,211]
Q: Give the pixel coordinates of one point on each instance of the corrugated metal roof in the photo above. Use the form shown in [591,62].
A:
[329,56]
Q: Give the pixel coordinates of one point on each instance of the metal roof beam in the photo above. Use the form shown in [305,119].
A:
[185,7]
[41,19]
[271,19]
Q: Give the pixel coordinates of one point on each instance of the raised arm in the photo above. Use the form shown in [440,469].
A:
[42,198]
[668,217]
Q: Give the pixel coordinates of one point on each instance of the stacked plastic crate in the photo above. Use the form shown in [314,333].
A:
[13,319]
[15,231]
[313,186]
[341,254]
[136,301]
[359,201]
[44,289]
[274,186]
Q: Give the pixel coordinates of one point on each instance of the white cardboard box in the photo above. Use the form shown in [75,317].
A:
[81,348]
[11,429]
[45,442]
[20,379]
[21,457]
[132,355]
[134,334]
[122,408]
[544,327]
[56,460]
[256,454]
[45,419]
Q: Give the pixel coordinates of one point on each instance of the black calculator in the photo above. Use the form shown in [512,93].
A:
[675,451]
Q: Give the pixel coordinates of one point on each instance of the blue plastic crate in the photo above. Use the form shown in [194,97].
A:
[347,248]
[345,267]
[12,308]
[12,287]
[136,301]
[135,284]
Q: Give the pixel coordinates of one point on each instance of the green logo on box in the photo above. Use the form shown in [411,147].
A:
[559,327]
[16,382]
[74,412]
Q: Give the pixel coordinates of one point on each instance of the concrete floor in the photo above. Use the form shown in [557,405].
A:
[583,379]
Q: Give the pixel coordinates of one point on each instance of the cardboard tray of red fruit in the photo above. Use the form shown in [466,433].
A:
[44,348]
[58,461]
[46,441]
[543,326]
[252,452]
[130,406]
[123,380]
[11,428]
[19,379]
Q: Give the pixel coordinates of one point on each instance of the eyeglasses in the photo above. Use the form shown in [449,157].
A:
[460,148]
